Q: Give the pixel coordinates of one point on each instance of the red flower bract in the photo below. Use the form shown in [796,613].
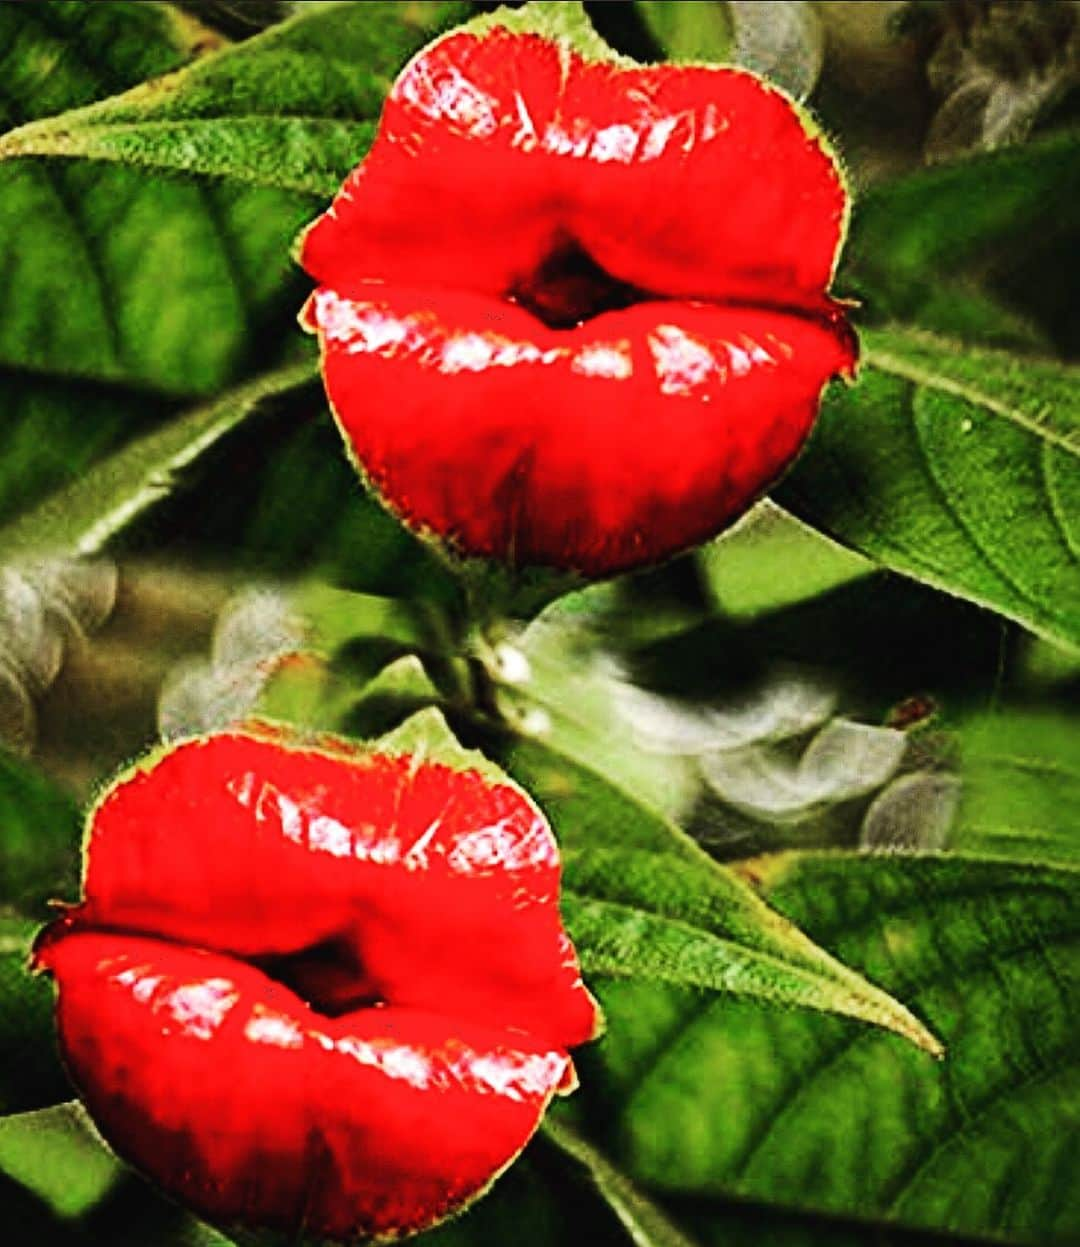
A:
[574,314]
[317,988]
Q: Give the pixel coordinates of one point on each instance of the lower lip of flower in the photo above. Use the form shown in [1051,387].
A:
[317,990]
[574,314]
[623,439]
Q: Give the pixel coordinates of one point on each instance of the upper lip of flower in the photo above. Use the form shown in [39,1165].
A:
[509,166]
[377,881]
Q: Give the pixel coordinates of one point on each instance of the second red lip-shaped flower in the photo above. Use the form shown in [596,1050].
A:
[575,313]
[314,987]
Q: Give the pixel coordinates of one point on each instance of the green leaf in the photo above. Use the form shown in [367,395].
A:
[639,915]
[83,517]
[689,32]
[956,467]
[119,277]
[40,830]
[914,236]
[57,1154]
[588,809]
[658,885]
[427,736]
[318,697]
[709,1096]
[1021,787]
[770,560]
[401,689]
[530,1204]
[337,618]
[292,109]
[123,279]
[30,1072]
[563,20]
[645,1223]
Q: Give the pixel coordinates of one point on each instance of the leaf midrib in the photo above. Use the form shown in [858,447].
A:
[888,362]
[858,1035]
[742,952]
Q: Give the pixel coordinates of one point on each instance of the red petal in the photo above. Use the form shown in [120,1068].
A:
[689,181]
[238,1099]
[636,434]
[501,156]
[438,889]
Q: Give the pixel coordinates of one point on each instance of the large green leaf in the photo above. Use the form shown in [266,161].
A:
[122,276]
[1021,787]
[651,917]
[647,901]
[292,109]
[959,468]
[83,517]
[707,1096]
[912,238]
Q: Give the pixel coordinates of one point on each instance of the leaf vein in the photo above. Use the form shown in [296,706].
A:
[900,367]
[795,1089]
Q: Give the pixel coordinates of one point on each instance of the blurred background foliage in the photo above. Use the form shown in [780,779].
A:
[862,699]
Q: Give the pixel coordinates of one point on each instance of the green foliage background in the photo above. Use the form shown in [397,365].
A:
[774,984]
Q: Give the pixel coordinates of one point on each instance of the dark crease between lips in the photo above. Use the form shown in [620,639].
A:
[568,288]
[327,976]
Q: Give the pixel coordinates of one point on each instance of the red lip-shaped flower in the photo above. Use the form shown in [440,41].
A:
[574,313]
[317,988]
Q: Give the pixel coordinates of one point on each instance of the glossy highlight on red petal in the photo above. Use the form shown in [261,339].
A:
[680,411]
[548,270]
[317,986]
